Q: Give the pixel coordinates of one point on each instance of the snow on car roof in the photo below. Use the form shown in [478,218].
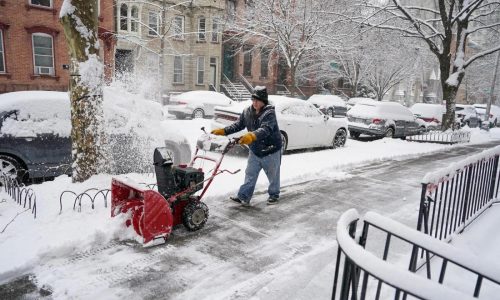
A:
[384,110]
[193,95]
[428,110]
[327,100]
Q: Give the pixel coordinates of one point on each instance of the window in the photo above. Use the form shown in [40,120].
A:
[264,62]
[134,19]
[2,55]
[45,3]
[153,23]
[178,69]
[247,61]
[200,70]
[43,54]
[179,27]
[215,31]
[123,17]
[201,29]
[152,64]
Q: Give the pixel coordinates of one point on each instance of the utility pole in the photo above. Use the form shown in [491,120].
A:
[492,89]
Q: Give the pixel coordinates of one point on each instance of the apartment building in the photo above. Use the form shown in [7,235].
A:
[170,45]
[33,49]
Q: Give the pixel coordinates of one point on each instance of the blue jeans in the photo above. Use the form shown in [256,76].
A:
[271,165]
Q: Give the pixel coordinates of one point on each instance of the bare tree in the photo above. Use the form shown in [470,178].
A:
[290,29]
[79,20]
[445,27]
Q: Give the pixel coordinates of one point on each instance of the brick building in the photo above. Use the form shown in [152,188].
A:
[33,47]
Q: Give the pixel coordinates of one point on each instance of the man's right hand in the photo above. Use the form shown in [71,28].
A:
[218,131]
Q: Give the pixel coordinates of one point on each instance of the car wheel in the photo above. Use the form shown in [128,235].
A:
[330,112]
[422,129]
[284,142]
[389,132]
[11,168]
[340,138]
[195,215]
[198,113]
[354,135]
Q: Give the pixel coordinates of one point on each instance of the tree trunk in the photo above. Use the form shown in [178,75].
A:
[79,20]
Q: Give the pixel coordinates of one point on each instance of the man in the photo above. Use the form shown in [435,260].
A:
[264,140]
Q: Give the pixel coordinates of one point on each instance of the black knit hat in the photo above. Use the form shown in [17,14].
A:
[260,93]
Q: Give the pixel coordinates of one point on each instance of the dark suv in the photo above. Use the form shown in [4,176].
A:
[35,130]
[389,119]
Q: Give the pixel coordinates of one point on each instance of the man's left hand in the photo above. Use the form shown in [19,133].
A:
[247,138]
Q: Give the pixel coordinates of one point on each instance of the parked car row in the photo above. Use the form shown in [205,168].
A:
[35,134]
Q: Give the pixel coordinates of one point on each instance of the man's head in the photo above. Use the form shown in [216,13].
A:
[260,93]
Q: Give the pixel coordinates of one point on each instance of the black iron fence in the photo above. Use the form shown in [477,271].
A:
[452,198]
[361,274]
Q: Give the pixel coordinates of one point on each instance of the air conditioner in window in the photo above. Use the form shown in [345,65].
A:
[45,70]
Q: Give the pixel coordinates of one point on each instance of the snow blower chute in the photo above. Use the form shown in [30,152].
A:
[153,213]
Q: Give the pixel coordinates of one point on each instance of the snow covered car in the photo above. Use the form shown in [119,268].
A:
[353,101]
[494,116]
[377,118]
[301,124]
[467,115]
[429,116]
[329,105]
[35,134]
[196,104]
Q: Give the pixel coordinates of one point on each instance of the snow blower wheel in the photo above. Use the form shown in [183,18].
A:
[195,215]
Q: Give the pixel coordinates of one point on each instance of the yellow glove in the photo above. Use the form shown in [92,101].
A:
[218,131]
[247,138]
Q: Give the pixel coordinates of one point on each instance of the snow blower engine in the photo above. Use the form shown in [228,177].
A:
[153,214]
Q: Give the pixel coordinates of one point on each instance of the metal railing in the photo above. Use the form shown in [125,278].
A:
[452,198]
[232,90]
[23,195]
[441,137]
[360,274]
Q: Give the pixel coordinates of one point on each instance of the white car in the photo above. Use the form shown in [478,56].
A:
[331,105]
[196,104]
[301,124]
[494,116]
[429,116]
[353,101]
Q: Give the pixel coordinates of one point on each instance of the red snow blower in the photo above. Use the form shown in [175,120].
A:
[153,214]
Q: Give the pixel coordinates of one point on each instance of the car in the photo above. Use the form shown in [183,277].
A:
[301,124]
[196,104]
[329,105]
[494,116]
[467,115]
[35,134]
[353,101]
[429,116]
[382,119]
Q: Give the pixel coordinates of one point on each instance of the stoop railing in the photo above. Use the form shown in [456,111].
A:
[453,197]
[361,274]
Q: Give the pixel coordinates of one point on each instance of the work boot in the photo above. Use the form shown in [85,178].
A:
[272,201]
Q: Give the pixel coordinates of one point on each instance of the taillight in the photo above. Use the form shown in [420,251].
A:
[376,121]
[181,102]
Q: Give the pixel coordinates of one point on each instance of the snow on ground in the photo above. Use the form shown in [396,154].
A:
[25,241]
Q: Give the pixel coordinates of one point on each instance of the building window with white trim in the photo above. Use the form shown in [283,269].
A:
[134,19]
[215,30]
[44,3]
[178,69]
[200,70]
[153,23]
[179,27]
[43,54]
[2,54]
[123,17]
[201,29]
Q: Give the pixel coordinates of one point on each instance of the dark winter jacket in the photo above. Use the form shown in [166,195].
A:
[265,127]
